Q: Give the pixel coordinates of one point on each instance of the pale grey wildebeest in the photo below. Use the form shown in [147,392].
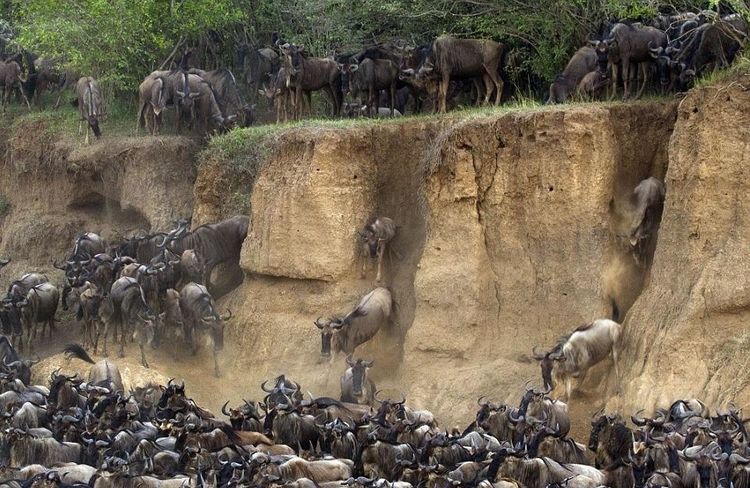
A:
[345,334]
[577,353]
[89,106]
[103,373]
[377,235]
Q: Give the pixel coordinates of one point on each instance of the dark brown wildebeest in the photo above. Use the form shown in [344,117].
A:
[306,75]
[89,106]
[227,93]
[453,58]
[89,302]
[583,61]
[200,315]
[10,78]
[633,47]
[610,439]
[39,306]
[345,334]
[216,244]
[356,386]
[103,373]
[376,236]
[713,46]
[369,77]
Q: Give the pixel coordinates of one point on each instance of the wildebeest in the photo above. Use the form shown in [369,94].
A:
[318,471]
[279,94]
[199,313]
[585,347]
[648,199]
[306,74]
[227,93]
[89,106]
[453,58]
[11,361]
[713,45]
[345,334]
[633,46]
[584,61]
[26,449]
[127,310]
[11,77]
[356,385]
[153,95]
[591,85]
[39,306]
[376,235]
[369,77]
[216,244]
[103,373]
[610,439]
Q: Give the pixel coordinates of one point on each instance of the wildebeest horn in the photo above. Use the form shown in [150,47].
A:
[636,420]
[318,323]
[349,361]
[224,409]
[3,262]
[402,401]
[228,316]
[537,355]
[55,265]
[263,387]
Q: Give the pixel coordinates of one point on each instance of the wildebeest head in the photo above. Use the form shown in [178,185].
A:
[185,97]
[599,424]
[214,323]
[371,240]
[328,329]
[348,70]
[359,373]
[295,56]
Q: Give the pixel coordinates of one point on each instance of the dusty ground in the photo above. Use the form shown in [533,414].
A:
[510,235]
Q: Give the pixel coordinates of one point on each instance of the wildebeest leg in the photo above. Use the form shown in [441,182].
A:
[614,73]
[381,251]
[625,78]
[443,93]
[497,82]
[143,355]
[364,264]
[644,72]
[393,97]
[568,387]
[308,99]
[217,373]
[123,329]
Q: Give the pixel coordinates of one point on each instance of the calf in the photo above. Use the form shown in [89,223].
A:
[583,61]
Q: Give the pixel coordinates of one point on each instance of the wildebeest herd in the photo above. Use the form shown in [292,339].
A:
[89,431]
[92,432]
[669,52]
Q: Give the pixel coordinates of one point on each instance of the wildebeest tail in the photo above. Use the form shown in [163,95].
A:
[77,351]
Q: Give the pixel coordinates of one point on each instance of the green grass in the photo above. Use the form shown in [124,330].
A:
[741,66]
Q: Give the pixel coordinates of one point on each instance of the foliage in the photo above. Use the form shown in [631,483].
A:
[119,41]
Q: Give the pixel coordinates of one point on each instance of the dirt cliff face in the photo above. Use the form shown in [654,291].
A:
[56,190]
[687,334]
[510,234]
